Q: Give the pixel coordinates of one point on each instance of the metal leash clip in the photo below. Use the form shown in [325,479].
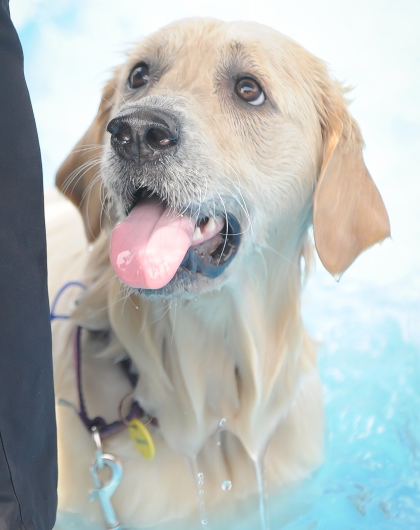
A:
[104,492]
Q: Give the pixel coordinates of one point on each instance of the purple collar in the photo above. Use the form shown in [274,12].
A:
[105,429]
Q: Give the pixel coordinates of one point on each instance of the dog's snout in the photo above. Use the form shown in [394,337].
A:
[143,133]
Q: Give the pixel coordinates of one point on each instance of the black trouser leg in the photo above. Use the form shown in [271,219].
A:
[28,468]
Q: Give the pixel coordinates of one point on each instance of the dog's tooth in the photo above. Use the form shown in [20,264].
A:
[210,225]
[197,234]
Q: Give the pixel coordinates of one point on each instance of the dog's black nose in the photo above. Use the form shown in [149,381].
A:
[143,133]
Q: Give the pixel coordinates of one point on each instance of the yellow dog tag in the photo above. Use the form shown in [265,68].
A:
[142,440]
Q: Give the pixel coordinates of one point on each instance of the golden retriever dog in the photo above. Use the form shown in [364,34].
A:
[216,147]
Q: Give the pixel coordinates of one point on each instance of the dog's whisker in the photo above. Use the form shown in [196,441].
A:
[183,212]
[87,195]
[226,163]
[264,262]
[205,194]
[214,204]
[174,312]
[281,255]
[247,216]
[86,148]
[130,298]
[226,229]
[166,311]
[104,197]
[88,190]
[241,202]
[79,173]
[124,302]
[118,91]
[112,104]
[75,176]
[200,202]
[105,201]
[214,116]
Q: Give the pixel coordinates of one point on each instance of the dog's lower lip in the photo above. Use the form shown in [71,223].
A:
[212,264]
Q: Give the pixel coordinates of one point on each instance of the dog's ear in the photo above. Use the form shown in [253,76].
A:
[78,176]
[348,212]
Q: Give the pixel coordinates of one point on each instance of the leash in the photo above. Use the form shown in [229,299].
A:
[53,315]
[103,428]
[100,429]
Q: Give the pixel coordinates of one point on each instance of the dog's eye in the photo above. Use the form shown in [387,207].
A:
[139,76]
[250,91]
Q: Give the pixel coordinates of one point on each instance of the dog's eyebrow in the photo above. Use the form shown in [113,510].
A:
[237,47]
[238,54]
[236,58]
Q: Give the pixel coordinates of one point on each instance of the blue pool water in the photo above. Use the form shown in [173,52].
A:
[370,366]
[369,358]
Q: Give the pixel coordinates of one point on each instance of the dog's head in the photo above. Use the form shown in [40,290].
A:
[216,139]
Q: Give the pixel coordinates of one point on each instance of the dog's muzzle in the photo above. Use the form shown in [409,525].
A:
[159,248]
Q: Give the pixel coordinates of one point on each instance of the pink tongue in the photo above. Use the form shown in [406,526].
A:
[148,247]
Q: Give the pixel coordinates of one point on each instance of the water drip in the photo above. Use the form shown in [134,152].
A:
[198,479]
[259,466]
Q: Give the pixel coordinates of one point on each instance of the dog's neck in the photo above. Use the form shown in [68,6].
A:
[233,354]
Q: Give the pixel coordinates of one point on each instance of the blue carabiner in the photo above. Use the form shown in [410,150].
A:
[104,492]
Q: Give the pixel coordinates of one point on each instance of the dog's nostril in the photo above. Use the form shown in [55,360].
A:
[113,127]
[122,138]
[121,132]
[159,139]
[124,135]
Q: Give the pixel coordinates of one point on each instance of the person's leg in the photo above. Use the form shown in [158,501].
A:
[28,468]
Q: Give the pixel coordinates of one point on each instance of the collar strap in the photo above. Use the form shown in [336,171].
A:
[105,429]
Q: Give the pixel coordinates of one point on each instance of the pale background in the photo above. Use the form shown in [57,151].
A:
[373,45]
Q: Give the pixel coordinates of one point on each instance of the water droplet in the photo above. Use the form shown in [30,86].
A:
[337,277]
[219,443]
[222,422]
[227,485]
[204,521]
[202,503]
[201,492]
[200,478]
